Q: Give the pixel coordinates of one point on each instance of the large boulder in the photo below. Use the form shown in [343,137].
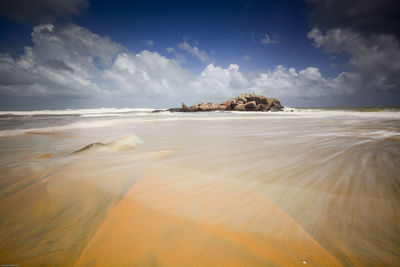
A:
[204,107]
[274,104]
[271,101]
[260,99]
[241,98]
[210,107]
[239,107]
[250,106]
[214,106]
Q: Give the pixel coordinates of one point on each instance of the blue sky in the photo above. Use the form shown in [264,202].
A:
[231,29]
[158,53]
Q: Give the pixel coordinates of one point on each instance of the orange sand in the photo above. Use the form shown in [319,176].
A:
[149,210]
[134,234]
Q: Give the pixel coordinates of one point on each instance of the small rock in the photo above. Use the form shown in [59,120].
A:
[222,107]
[262,107]
[175,110]
[274,109]
[185,108]
[233,103]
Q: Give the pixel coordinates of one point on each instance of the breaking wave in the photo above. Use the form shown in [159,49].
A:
[26,122]
[84,112]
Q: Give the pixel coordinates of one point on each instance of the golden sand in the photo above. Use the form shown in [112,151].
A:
[67,222]
[203,193]
[134,234]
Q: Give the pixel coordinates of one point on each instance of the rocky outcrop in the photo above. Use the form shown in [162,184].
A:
[244,102]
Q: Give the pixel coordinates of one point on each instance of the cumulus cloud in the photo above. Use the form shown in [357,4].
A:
[40,11]
[374,62]
[195,51]
[147,74]
[306,83]
[219,82]
[71,62]
[266,40]
[180,58]
[62,61]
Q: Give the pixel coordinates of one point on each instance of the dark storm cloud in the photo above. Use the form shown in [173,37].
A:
[366,17]
[59,65]
[368,32]
[34,11]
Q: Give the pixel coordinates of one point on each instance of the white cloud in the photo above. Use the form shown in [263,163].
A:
[195,51]
[180,58]
[63,61]
[147,74]
[307,83]
[266,40]
[149,42]
[71,61]
[246,57]
[220,82]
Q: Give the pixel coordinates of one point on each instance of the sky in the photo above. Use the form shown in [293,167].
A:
[58,54]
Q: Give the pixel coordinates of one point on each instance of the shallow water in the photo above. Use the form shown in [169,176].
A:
[316,187]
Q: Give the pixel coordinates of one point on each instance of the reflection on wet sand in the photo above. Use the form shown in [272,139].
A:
[268,193]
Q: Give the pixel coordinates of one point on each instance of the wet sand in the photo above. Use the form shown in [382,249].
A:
[264,192]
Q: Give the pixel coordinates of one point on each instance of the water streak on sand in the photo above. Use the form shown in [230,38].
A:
[126,142]
[212,189]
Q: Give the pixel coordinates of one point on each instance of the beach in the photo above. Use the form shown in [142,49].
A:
[317,187]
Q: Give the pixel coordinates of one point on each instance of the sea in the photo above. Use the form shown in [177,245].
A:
[134,187]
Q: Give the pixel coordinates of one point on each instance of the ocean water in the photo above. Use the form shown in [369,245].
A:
[123,187]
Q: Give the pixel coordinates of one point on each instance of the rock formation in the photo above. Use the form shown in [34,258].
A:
[244,102]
